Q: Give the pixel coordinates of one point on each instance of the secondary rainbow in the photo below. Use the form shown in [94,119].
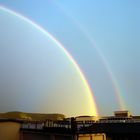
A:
[119,95]
[93,107]
[115,84]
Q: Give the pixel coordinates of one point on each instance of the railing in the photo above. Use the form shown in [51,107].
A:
[71,124]
[33,125]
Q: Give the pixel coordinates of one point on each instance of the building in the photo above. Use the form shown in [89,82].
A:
[122,114]
[121,126]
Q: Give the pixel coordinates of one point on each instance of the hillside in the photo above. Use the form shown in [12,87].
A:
[31,116]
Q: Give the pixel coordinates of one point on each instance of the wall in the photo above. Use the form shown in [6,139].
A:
[9,131]
[92,137]
[34,136]
[43,136]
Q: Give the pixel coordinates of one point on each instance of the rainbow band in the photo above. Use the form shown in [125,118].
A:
[112,77]
[119,96]
[93,108]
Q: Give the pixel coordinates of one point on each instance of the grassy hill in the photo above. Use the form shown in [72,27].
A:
[31,116]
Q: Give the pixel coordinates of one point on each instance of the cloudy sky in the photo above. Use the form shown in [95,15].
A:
[103,36]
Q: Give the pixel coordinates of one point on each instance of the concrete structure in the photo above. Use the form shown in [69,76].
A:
[91,137]
[9,130]
[87,118]
[125,113]
[117,127]
[37,130]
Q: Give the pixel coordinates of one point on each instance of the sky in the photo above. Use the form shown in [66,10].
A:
[103,38]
